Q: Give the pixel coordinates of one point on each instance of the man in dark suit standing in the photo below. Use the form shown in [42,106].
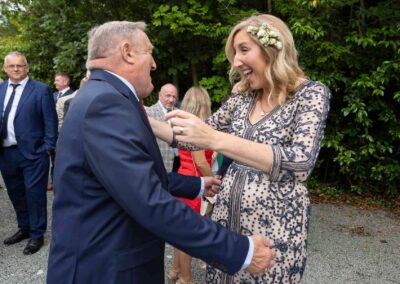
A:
[28,136]
[113,205]
[61,82]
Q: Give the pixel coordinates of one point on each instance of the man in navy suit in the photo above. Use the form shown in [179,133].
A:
[61,82]
[28,136]
[114,206]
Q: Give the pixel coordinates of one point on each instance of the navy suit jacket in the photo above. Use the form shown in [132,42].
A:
[113,206]
[35,122]
[70,91]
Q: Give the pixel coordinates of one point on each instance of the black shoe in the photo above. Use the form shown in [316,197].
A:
[33,246]
[16,238]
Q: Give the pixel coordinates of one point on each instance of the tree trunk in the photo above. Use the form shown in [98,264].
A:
[175,77]
[195,78]
[361,24]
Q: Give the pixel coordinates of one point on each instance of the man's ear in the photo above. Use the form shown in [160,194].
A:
[127,52]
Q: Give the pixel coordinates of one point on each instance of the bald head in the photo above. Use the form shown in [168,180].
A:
[168,95]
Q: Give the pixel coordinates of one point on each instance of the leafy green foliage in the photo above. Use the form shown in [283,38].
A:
[353,46]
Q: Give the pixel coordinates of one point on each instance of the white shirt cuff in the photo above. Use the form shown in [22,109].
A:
[201,192]
[249,256]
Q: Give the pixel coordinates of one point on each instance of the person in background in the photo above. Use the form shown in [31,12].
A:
[61,82]
[114,204]
[272,128]
[166,102]
[196,163]
[27,138]
[63,102]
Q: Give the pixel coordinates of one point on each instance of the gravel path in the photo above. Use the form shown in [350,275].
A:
[346,245]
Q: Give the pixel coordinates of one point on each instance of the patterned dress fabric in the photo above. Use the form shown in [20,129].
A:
[188,168]
[275,205]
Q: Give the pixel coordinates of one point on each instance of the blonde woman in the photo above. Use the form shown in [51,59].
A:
[272,128]
[193,163]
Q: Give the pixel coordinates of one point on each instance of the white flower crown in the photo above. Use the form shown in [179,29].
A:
[266,36]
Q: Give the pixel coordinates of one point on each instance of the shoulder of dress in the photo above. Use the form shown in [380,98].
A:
[240,97]
[314,88]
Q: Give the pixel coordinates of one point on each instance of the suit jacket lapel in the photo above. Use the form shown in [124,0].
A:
[3,91]
[102,75]
[25,94]
[99,74]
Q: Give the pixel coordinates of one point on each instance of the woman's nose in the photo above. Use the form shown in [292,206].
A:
[236,61]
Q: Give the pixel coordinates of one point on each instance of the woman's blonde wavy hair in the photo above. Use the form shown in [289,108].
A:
[197,101]
[282,70]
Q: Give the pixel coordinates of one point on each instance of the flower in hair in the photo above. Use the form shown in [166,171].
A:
[266,36]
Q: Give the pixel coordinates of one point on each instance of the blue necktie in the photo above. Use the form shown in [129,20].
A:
[4,131]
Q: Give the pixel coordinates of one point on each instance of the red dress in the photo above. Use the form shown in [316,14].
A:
[187,168]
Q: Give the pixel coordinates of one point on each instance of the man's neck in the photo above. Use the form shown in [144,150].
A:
[63,90]
[163,107]
[16,82]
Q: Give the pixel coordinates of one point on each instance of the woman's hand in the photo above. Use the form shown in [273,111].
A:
[189,128]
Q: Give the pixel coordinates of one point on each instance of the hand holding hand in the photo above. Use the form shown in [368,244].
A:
[189,128]
[212,186]
[263,256]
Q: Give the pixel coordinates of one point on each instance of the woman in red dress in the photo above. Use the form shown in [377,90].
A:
[195,163]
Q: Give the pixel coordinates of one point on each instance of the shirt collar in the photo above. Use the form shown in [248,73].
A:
[162,106]
[21,83]
[126,82]
[64,90]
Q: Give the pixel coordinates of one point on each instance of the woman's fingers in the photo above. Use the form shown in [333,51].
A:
[178,113]
[178,130]
[188,122]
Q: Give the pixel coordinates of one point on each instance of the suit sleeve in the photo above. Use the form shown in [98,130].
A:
[183,186]
[115,147]
[50,120]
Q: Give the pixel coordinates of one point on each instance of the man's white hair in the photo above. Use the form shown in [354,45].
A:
[15,53]
[104,39]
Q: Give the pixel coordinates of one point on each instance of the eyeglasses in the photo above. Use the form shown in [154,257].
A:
[13,66]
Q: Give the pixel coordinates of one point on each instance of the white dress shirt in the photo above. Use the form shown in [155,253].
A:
[11,140]
[162,107]
[62,92]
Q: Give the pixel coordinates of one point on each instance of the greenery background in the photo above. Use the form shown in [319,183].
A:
[353,46]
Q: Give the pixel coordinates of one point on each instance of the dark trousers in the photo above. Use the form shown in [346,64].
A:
[26,182]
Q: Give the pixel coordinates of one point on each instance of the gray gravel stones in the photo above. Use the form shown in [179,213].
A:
[346,245]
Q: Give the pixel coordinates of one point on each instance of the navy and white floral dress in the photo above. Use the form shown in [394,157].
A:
[274,205]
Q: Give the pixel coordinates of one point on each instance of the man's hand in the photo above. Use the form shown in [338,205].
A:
[211,186]
[263,256]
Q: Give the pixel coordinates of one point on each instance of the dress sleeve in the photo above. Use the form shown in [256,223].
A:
[220,120]
[296,160]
